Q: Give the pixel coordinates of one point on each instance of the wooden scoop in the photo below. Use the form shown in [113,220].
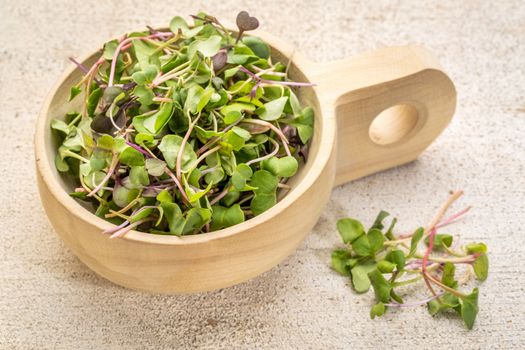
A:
[373,112]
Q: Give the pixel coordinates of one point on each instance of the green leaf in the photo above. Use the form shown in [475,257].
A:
[258,46]
[377,310]
[155,167]
[469,308]
[361,246]
[207,47]
[350,229]
[178,23]
[61,164]
[369,244]
[340,259]
[197,99]
[385,266]
[396,297]
[282,167]
[448,301]
[141,214]
[376,240]
[111,93]
[242,133]
[416,237]
[440,240]
[146,54]
[59,125]
[481,267]
[476,248]
[237,107]
[196,218]
[265,182]
[225,217]
[156,122]
[109,49]
[262,202]
[241,175]
[74,92]
[173,215]
[164,197]
[121,195]
[146,75]
[215,176]
[360,279]
[378,222]
[131,157]
[92,101]
[233,139]
[232,117]
[272,110]
[170,146]
[106,142]
[447,277]
[381,286]
[304,124]
[389,233]
[138,176]
[144,94]
[397,257]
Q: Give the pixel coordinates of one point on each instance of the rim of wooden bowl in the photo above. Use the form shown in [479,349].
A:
[322,156]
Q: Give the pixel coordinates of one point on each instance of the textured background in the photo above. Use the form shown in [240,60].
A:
[49,300]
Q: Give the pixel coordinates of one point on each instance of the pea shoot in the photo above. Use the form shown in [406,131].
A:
[379,259]
[184,131]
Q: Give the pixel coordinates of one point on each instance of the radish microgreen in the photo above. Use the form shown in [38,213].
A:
[377,259]
[183,131]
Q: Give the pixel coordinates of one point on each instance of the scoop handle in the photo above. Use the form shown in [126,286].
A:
[389,106]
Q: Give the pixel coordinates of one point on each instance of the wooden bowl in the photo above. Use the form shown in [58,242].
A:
[373,112]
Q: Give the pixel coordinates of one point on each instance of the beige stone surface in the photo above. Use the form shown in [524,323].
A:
[50,300]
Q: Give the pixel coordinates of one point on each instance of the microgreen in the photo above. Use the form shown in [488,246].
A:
[379,259]
[183,131]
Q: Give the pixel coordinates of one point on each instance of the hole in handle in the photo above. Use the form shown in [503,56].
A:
[393,124]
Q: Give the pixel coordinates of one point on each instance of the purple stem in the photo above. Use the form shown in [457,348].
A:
[138,148]
[116,228]
[260,80]
[84,69]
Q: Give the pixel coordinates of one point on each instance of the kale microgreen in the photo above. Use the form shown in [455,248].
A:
[183,131]
[386,263]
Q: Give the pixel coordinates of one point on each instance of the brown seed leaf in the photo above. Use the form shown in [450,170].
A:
[219,60]
[245,22]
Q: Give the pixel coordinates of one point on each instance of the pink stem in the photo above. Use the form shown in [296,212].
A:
[110,172]
[269,155]
[220,195]
[452,218]
[116,228]
[125,42]
[274,128]
[125,230]
[443,223]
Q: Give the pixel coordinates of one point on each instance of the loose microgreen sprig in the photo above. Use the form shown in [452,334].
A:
[183,131]
[378,258]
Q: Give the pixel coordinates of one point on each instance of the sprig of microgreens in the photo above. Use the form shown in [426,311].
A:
[183,131]
[380,259]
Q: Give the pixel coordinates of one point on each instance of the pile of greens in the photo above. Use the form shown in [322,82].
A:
[377,258]
[184,131]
